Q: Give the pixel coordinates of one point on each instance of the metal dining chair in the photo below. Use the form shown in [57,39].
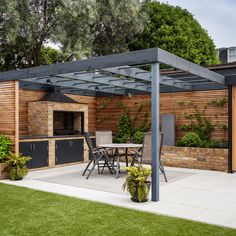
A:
[97,156]
[105,137]
[144,156]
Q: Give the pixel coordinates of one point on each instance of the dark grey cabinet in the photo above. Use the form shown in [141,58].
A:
[68,151]
[38,151]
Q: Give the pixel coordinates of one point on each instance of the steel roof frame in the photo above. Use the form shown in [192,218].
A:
[121,64]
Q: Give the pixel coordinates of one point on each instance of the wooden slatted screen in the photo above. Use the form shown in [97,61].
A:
[9,112]
[109,109]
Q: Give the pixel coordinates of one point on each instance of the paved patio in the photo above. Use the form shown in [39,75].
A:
[206,196]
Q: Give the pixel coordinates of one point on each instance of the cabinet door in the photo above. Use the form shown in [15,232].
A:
[62,152]
[77,150]
[39,154]
[38,151]
[25,149]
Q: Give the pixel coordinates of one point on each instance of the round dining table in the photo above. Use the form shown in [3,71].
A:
[118,146]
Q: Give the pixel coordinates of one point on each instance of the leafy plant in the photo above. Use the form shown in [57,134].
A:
[215,144]
[219,102]
[190,139]
[5,147]
[199,124]
[222,125]
[137,182]
[124,129]
[193,140]
[16,167]
[128,127]
[183,102]
[138,137]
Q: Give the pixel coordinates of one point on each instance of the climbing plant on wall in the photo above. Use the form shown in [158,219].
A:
[201,127]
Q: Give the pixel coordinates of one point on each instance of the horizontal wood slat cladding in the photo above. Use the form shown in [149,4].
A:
[8,107]
[35,95]
[109,109]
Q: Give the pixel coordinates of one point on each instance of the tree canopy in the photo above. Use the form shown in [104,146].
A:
[174,29]
[81,27]
[27,24]
[117,24]
[96,27]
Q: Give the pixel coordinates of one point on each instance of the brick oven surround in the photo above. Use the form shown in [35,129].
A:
[40,116]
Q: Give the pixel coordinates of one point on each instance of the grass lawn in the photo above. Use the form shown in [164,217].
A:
[30,212]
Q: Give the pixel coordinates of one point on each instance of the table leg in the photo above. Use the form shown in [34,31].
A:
[126,157]
[117,164]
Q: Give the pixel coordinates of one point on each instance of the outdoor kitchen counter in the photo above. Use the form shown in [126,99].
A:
[55,150]
[41,138]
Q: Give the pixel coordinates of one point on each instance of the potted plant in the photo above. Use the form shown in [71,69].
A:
[16,167]
[137,183]
[5,150]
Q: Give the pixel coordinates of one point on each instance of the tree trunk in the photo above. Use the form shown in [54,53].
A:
[36,56]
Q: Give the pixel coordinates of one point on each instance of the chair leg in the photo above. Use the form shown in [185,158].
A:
[163,171]
[108,166]
[96,162]
[87,167]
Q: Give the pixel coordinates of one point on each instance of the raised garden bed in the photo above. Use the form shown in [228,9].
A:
[196,158]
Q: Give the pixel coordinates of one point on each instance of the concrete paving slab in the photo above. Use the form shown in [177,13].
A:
[206,196]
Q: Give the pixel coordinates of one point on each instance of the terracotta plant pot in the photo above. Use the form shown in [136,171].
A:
[145,198]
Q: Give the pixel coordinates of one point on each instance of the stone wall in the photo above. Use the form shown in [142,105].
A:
[196,158]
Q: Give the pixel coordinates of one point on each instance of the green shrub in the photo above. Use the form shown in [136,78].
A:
[124,129]
[199,124]
[122,139]
[190,139]
[215,144]
[138,137]
[5,147]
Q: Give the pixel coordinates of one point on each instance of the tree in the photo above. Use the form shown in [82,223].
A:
[81,27]
[33,22]
[174,29]
[116,25]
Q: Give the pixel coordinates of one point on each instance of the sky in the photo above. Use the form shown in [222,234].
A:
[218,17]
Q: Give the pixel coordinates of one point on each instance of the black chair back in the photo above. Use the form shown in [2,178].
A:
[89,143]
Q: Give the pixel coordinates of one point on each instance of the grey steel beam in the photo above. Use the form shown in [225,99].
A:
[108,80]
[146,76]
[182,64]
[129,58]
[83,86]
[155,131]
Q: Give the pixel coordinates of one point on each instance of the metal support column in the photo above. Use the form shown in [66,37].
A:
[155,131]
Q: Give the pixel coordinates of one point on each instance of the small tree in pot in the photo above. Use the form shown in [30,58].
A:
[137,183]
[16,167]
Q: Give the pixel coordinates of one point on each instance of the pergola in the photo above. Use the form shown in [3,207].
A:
[123,74]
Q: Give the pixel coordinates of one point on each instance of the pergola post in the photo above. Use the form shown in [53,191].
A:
[155,131]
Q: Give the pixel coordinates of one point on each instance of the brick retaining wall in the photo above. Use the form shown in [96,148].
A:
[196,158]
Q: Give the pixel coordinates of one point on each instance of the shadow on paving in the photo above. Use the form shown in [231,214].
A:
[105,182]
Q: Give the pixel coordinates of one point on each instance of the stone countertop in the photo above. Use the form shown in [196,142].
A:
[52,137]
